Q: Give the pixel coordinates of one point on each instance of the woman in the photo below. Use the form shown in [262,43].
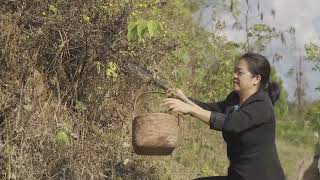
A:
[246,119]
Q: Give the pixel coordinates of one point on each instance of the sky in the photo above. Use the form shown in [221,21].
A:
[304,16]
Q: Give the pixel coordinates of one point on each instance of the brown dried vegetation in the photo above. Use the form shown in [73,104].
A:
[60,118]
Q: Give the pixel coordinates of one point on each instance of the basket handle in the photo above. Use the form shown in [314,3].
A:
[136,99]
[155,92]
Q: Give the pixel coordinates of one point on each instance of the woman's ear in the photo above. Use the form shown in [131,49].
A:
[257,79]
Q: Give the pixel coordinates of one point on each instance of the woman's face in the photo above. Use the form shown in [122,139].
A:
[243,80]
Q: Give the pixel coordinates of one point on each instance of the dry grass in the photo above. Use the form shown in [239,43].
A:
[291,156]
[61,118]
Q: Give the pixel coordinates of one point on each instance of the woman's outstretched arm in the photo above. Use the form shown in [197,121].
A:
[193,109]
[213,119]
[209,113]
[211,106]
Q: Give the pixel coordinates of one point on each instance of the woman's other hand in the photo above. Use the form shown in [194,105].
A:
[192,109]
[177,105]
[177,93]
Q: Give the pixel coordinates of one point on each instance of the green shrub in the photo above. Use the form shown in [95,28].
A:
[295,131]
[312,115]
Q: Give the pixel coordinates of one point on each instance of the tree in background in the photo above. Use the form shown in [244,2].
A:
[313,54]
[312,115]
[257,37]
[257,34]
[313,112]
[281,106]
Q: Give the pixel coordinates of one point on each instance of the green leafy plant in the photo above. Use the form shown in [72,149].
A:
[111,71]
[261,27]
[86,19]
[53,9]
[98,66]
[62,137]
[312,51]
[281,107]
[312,115]
[294,130]
[138,29]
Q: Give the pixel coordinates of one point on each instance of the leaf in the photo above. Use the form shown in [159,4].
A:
[53,9]
[98,65]
[312,51]
[62,138]
[137,30]
[152,28]
[141,29]
[259,27]
[111,71]
[86,19]
[132,31]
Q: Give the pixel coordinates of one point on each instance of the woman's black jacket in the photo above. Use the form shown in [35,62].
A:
[249,131]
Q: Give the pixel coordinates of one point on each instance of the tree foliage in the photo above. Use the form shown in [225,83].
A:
[281,107]
[312,51]
[312,115]
[313,54]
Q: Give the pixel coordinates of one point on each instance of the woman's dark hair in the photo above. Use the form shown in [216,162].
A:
[259,65]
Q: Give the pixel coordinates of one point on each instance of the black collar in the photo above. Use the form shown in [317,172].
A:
[259,95]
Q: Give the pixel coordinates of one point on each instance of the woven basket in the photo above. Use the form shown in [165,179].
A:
[154,134]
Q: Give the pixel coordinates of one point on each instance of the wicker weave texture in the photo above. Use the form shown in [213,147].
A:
[154,134]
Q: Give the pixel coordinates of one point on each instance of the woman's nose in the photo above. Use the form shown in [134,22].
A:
[235,75]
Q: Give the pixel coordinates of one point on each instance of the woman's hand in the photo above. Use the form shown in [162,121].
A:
[177,93]
[185,105]
[177,105]
[194,110]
